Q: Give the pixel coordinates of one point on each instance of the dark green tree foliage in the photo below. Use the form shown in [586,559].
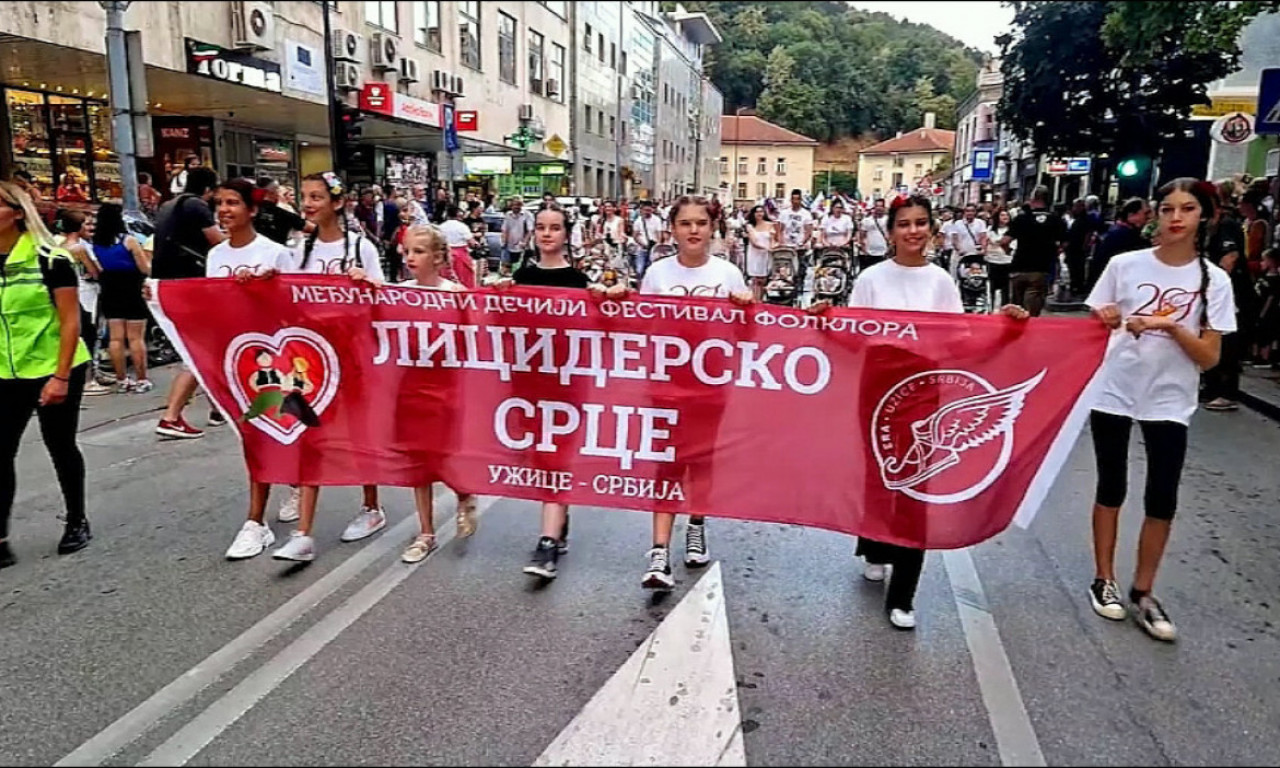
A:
[1084,78]
[827,70]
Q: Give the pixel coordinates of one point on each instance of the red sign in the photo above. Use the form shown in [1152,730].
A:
[467,120]
[378,97]
[919,429]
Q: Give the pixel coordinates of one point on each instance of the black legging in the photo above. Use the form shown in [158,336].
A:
[1166,443]
[58,426]
[89,332]
[907,564]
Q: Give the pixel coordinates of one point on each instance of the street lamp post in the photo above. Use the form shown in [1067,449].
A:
[737,116]
[121,103]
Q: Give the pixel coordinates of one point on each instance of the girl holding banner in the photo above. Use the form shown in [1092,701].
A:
[1175,307]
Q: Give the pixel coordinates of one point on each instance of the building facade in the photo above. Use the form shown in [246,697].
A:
[759,159]
[905,162]
[977,137]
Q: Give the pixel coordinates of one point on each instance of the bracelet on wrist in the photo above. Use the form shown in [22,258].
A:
[63,379]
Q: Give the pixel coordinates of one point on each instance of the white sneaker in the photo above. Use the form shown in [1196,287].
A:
[902,619]
[252,539]
[143,386]
[872,572]
[299,547]
[93,388]
[288,512]
[368,522]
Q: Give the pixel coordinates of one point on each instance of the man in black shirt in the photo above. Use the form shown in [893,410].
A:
[185,232]
[1040,234]
[391,223]
[1081,236]
[1124,236]
[273,221]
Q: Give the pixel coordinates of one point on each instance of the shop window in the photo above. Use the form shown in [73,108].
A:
[536,62]
[469,32]
[382,14]
[32,143]
[506,48]
[426,25]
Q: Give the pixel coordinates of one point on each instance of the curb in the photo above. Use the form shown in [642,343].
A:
[1264,407]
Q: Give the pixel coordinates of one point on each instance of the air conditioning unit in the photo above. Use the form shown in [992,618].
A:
[553,89]
[456,88]
[526,112]
[441,81]
[384,52]
[253,25]
[347,75]
[347,46]
[637,91]
[408,70]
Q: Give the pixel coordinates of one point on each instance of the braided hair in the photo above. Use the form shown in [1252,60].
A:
[337,193]
[1206,195]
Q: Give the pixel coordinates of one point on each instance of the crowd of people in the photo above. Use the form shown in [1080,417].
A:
[245,230]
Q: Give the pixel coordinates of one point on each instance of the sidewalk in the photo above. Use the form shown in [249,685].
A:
[1260,390]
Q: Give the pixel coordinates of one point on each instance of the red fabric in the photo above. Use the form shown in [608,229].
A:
[464,269]
[928,431]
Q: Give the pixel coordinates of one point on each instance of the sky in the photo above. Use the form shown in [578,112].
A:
[975,23]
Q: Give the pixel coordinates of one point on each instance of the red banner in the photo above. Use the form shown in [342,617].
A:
[920,429]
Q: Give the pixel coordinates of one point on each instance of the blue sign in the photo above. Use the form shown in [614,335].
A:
[450,130]
[1079,165]
[983,162]
[1268,121]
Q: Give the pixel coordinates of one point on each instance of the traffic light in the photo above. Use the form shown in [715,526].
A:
[1133,176]
[350,123]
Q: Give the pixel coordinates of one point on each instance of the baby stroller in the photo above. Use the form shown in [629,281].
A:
[975,284]
[661,251]
[833,276]
[607,265]
[782,286]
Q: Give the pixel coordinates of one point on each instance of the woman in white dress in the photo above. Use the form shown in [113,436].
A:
[761,235]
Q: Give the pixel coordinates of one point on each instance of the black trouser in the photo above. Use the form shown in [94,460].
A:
[1223,380]
[998,275]
[19,398]
[1166,443]
[907,564]
[1075,268]
[89,333]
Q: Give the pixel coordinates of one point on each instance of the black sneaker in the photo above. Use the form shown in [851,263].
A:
[564,535]
[658,576]
[543,563]
[695,545]
[216,419]
[75,537]
[1153,620]
[6,555]
[1105,596]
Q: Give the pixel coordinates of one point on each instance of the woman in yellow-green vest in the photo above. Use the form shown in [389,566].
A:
[42,361]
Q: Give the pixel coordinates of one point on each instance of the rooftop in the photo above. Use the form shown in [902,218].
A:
[749,129]
[919,140]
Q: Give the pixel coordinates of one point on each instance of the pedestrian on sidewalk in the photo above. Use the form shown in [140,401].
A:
[125,266]
[426,254]
[1225,247]
[75,231]
[1039,233]
[43,362]
[1151,377]
[908,281]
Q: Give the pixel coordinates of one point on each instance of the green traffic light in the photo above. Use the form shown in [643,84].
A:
[1127,169]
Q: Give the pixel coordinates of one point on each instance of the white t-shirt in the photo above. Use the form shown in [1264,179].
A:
[455,233]
[889,285]
[328,258]
[877,232]
[1151,378]
[996,254]
[262,254]
[837,228]
[717,278]
[445,285]
[965,241]
[647,230]
[793,225]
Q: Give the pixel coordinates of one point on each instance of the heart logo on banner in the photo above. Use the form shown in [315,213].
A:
[291,363]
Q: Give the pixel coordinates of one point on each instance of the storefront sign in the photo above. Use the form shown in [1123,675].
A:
[381,99]
[467,120]
[487,165]
[1074,166]
[1224,106]
[555,145]
[982,164]
[232,66]
[922,429]
[378,97]
[451,143]
[304,68]
[551,170]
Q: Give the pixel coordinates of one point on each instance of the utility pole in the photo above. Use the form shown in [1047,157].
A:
[121,103]
[335,133]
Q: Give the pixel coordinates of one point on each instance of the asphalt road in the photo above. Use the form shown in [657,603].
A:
[360,660]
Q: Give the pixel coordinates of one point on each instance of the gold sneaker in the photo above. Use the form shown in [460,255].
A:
[466,516]
[422,546]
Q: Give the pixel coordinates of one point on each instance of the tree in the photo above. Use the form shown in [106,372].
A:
[787,100]
[1087,78]
[941,105]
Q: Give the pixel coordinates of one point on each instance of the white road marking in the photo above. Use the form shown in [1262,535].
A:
[223,713]
[144,717]
[1016,739]
[674,702]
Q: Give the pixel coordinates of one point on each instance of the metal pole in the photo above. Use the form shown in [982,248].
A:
[121,104]
[617,76]
[330,87]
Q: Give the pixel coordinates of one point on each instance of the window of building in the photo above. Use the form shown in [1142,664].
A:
[624,131]
[382,14]
[878,174]
[506,48]
[919,170]
[780,190]
[622,63]
[613,56]
[897,180]
[600,115]
[558,7]
[600,188]
[762,166]
[742,167]
[782,166]
[426,24]
[724,166]
[469,27]
[556,70]
[613,127]
[742,190]
[586,111]
[762,189]
[537,62]
[600,46]
[899,161]
[586,40]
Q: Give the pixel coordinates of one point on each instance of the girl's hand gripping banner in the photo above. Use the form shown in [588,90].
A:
[926,430]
